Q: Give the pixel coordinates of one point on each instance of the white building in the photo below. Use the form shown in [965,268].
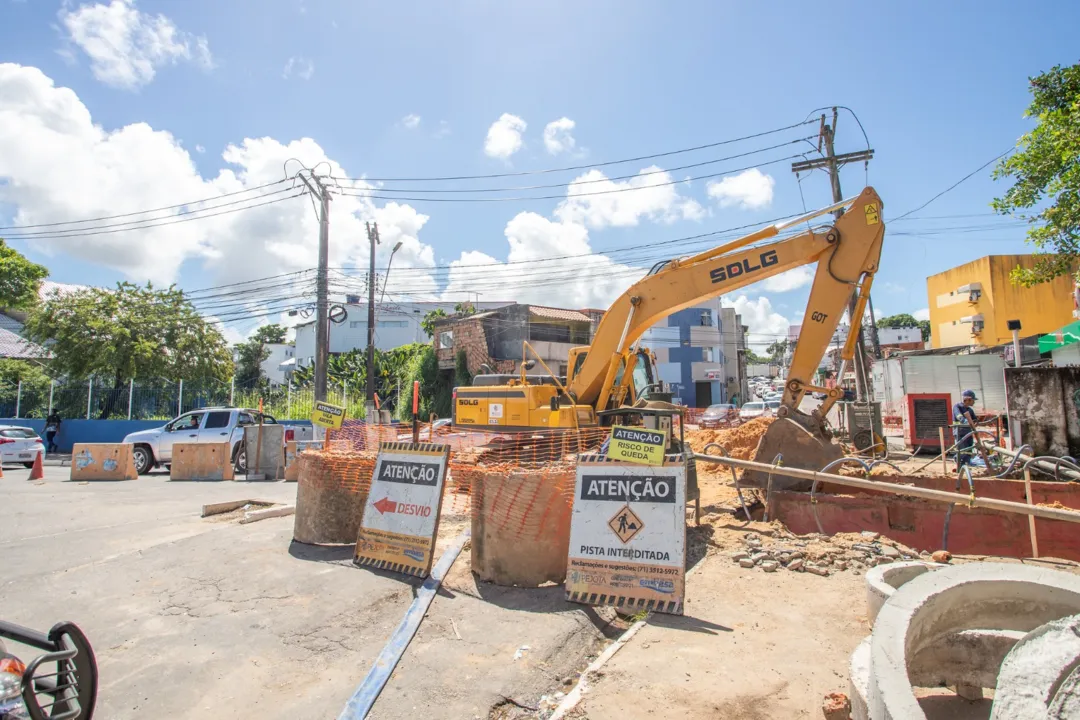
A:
[274,367]
[701,354]
[396,324]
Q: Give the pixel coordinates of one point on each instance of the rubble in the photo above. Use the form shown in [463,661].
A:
[836,706]
[818,554]
[740,442]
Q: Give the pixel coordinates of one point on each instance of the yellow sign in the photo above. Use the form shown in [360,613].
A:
[327,415]
[637,445]
[871,211]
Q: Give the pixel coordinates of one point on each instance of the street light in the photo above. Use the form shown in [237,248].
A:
[386,279]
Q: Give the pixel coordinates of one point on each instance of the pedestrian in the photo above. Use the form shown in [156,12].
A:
[964,417]
[52,426]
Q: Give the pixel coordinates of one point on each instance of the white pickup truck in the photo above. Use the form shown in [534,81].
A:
[207,425]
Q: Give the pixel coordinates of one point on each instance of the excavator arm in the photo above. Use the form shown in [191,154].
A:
[847,254]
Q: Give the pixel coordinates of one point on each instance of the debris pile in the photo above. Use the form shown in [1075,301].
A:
[821,554]
[740,442]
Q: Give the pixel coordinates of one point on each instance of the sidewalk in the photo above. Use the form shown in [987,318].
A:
[752,646]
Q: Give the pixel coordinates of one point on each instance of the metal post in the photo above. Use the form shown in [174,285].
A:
[18,398]
[89,397]
[288,400]
[180,400]
[344,393]
[52,386]
[322,322]
[373,239]
[131,395]
[1016,347]
[232,391]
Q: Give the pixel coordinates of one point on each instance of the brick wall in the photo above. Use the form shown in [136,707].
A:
[469,335]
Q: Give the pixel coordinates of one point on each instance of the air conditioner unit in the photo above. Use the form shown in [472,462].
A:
[973,290]
[976,322]
[924,414]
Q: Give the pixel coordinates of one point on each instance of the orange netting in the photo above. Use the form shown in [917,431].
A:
[740,442]
[338,468]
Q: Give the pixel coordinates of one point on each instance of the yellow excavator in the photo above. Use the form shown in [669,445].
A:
[615,374]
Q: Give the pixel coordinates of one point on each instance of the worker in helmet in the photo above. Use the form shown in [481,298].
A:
[965,419]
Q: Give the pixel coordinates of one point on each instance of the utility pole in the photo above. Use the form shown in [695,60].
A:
[322,322]
[373,239]
[832,163]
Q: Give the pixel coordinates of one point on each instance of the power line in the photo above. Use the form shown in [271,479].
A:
[568,196]
[156,222]
[954,185]
[142,212]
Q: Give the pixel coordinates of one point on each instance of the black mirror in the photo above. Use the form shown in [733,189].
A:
[529,364]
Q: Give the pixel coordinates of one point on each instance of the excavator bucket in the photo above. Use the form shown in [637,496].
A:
[798,440]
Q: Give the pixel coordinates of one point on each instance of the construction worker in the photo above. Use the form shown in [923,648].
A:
[965,419]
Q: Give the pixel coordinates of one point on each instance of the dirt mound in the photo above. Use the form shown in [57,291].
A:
[740,442]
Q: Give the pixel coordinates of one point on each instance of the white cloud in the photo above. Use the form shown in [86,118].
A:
[411,121]
[557,137]
[298,66]
[749,190]
[127,46]
[442,131]
[923,314]
[200,149]
[790,280]
[49,143]
[504,136]
[597,202]
[766,325]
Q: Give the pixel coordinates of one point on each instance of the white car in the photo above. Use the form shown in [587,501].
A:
[19,445]
[208,425]
[751,410]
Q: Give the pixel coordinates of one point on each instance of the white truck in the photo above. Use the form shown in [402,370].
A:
[154,447]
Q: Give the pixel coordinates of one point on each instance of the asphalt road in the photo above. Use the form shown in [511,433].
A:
[196,618]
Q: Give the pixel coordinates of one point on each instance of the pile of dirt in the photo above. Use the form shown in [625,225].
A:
[739,442]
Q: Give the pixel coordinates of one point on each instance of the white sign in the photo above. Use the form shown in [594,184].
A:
[401,516]
[628,536]
[495,411]
[714,374]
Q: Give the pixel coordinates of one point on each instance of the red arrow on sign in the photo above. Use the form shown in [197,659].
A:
[386,505]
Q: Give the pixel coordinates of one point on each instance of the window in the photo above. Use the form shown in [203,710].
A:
[706,318]
[245,419]
[217,419]
[393,323]
[354,324]
[446,339]
[185,422]
[708,354]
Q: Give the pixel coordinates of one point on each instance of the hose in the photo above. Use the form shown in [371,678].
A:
[827,468]
[885,462]
[734,477]
[1058,462]
[768,486]
[1014,461]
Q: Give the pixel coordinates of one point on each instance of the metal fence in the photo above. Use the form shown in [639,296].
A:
[164,400]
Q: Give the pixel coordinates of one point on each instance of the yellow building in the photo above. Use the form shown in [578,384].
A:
[971,304]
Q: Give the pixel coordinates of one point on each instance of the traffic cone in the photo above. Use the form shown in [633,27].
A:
[37,472]
[1,471]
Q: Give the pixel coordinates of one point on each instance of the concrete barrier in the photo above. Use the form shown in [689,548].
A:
[928,609]
[293,449]
[103,461]
[202,461]
[271,462]
[1037,670]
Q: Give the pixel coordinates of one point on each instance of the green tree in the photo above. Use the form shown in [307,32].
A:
[250,354]
[752,358]
[129,332]
[431,318]
[776,351]
[905,320]
[19,279]
[462,376]
[464,308]
[1046,174]
[34,396]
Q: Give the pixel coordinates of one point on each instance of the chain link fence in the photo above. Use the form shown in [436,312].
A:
[164,400]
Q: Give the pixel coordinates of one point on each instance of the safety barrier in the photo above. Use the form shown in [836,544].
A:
[265,448]
[293,449]
[201,461]
[330,496]
[103,461]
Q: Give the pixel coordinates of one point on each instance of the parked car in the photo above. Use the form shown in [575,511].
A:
[771,406]
[19,445]
[154,447]
[751,410]
[718,415]
[437,427]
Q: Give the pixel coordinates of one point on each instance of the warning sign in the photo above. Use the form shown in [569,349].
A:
[628,536]
[625,524]
[327,415]
[871,211]
[637,445]
[401,517]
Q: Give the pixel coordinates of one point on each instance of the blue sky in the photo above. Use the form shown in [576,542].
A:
[940,89]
